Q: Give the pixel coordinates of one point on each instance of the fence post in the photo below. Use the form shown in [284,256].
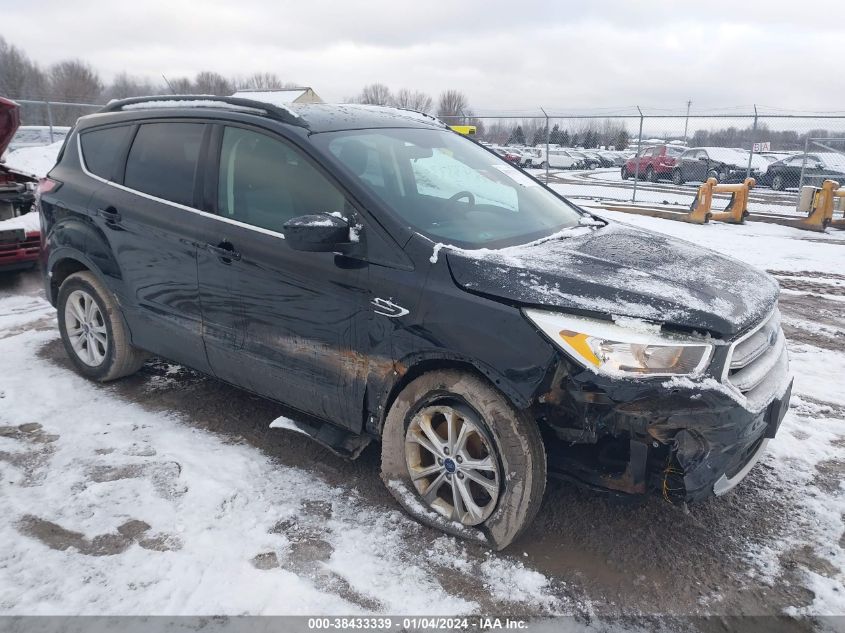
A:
[50,120]
[804,163]
[637,157]
[753,138]
[547,145]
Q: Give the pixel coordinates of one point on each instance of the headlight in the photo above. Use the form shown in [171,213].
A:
[613,349]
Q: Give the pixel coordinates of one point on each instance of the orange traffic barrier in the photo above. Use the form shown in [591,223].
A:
[734,213]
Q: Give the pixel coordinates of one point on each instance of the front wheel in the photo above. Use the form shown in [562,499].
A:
[458,456]
[677,177]
[625,174]
[778,183]
[93,332]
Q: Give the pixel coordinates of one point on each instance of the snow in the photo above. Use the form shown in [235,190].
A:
[190,103]
[34,160]
[29,222]
[273,97]
[210,541]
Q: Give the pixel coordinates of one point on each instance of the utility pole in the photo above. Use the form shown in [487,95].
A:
[686,122]
[547,145]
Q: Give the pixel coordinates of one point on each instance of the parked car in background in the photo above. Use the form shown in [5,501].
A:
[20,237]
[817,167]
[603,161]
[559,158]
[37,136]
[299,254]
[722,163]
[509,154]
[655,162]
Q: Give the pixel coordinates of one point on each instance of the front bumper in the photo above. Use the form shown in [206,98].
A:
[689,440]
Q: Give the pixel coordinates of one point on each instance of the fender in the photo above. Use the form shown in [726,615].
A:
[382,389]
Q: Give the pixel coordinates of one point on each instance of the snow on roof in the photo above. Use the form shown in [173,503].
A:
[190,103]
[280,97]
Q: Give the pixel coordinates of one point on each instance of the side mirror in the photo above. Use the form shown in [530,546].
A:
[318,233]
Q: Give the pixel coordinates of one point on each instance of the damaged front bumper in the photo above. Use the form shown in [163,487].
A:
[687,440]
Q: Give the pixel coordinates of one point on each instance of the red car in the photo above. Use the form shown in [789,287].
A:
[655,162]
[20,236]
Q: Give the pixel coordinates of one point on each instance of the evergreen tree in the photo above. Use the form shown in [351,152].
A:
[517,137]
[539,136]
[554,135]
[621,141]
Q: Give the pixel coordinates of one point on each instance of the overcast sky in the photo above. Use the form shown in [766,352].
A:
[504,55]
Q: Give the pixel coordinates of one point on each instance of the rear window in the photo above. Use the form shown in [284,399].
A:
[163,160]
[101,149]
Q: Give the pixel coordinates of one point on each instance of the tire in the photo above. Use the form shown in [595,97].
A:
[499,435]
[106,353]
[778,183]
[677,177]
[543,165]
[714,174]
[650,175]
[625,174]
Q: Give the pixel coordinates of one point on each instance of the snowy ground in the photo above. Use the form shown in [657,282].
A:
[168,493]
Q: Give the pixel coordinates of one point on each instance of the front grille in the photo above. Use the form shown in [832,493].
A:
[758,364]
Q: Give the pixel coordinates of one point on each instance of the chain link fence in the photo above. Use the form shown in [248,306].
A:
[654,159]
[630,156]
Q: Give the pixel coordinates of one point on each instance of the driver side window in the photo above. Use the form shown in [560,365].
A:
[265,182]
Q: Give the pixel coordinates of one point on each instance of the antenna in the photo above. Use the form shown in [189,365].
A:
[172,91]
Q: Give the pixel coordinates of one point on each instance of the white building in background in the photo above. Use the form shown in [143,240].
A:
[281,96]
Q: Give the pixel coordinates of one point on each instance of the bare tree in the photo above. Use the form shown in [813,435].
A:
[375,94]
[20,78]
[413,100]
[211,83]
[453,104]
[124,86]
[180,86]
[263,81]
[73,81]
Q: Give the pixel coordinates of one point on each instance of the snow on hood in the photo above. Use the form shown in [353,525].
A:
[735,157]
[623,271]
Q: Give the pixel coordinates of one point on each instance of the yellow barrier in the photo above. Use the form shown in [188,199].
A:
[466,130]
[734,213]
[821,212]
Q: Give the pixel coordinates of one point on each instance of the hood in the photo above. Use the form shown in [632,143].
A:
[10,119]
[620,270]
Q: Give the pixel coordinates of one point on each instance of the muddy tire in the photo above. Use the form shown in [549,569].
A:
[93,332]
[497,472]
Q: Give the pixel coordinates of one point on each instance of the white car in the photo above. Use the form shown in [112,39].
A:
[558,158]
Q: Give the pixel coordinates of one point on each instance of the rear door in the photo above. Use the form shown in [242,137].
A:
[286,324]
[147,214]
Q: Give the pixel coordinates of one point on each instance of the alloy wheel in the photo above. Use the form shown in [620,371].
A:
[86,328]
[452,463]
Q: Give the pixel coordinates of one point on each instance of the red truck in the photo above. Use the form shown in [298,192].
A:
[655,162]
[20,235]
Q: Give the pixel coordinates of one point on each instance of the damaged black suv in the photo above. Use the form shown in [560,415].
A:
[394,281]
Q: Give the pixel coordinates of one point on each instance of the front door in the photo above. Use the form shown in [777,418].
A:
[286,324]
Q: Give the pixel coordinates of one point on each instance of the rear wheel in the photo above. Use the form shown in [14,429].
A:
[459,457]
[93,331]
[714,174]
[650,175]
[625,174]
[544,165]
[677,177]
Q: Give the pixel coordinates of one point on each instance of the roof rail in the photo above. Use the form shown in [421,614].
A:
[257,107]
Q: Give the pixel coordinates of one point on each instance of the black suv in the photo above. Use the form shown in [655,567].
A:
[395,281]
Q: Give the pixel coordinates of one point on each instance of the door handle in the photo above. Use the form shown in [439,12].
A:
[224,251]
[109,214]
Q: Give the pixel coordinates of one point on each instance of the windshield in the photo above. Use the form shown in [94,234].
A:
[448,188]
[674,151]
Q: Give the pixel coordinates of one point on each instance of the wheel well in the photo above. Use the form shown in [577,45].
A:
[426,366]
[61,271]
